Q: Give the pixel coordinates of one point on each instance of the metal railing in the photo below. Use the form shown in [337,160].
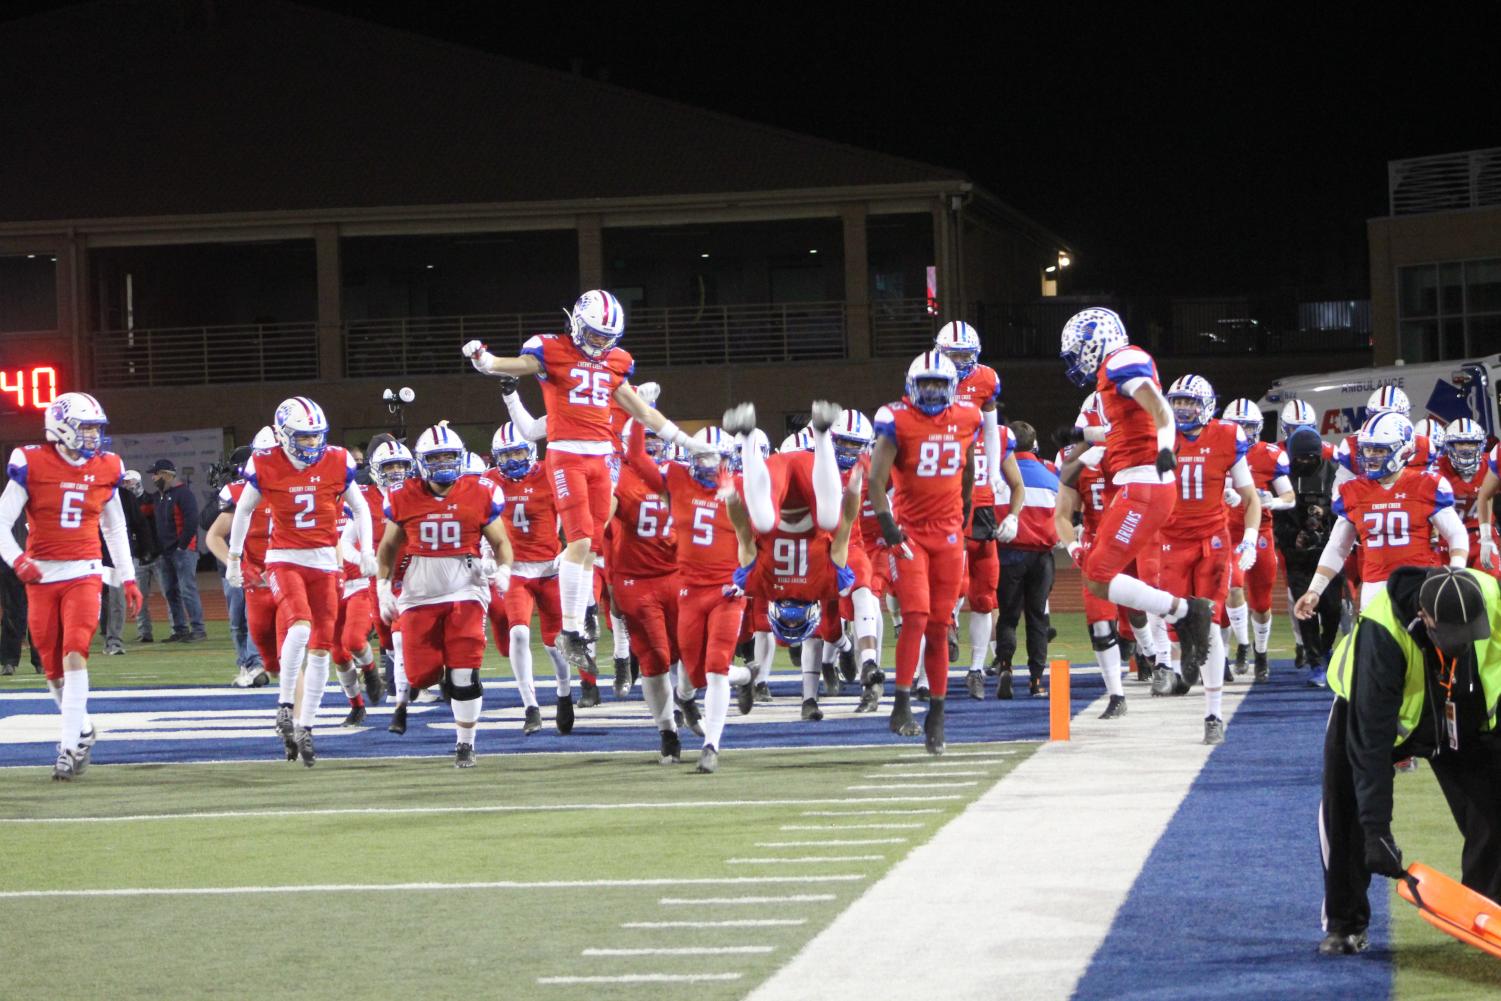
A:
[901,327]
[181,356]
[429,345]
[1442,183]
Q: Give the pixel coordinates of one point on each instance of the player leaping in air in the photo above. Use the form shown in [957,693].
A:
[582,374]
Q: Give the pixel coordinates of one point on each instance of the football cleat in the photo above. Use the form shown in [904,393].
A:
[830,679]
[902,722]
[533,721]
[671,752]
[1263,670]
[739,419]
[870,698]
[287,731]
[1116,709]
[427,696]
[1144,667]
[745,699]
[574,648]
[1163,680]
[398,719]
[823,414]
[1241,667]
[1034,687]
[1193,633]
[1214,730]
[932,728]
[921,693]
[1317,678]
[357,713]
[1335,944]
[953,644]
[635,669]
[622,677]
[692,717]
[85,751]
[242,679]
[763,692]
[261,678]
[591,623]
[1299,658]
[849,670]
[463,756]
[1180,686]
[563,716]
[708,760]
[375,685]
[304,739]
[974,682]
[590,697]
[811,712]
[66,766]
[1003,684]
[1191,675]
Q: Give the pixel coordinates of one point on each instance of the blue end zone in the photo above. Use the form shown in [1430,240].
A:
[163,726]
[1228,903]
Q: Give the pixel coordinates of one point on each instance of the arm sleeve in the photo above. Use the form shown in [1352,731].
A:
[1240,474]
[1371,732]
[530,428]
[112,521]
[12,505]
[1341,541]
[360,512]
[249,498]
[756,479]
[1449,525]
[992,431]
[828,490]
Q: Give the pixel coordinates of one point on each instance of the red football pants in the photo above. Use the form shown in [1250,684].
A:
[582,487]
[63,618]
[539,594]
[927,588]
[449,634]
[352,631]
[304,594]
[649,606]
[708,630]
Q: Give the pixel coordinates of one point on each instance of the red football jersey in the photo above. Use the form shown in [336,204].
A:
[64,501]
[1204,463]
[707,550]
[1466,493]
[533,520]
[928,472]
[305,503]
[578,391]
[1091,487]
[1132,437]
[259,535]
[644,542]
[795,566]
[376,502]
[1392,522]
[449,525]
[980,389]
[1266,462]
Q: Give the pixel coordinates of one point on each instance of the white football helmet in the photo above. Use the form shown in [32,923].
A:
[474,464]
[76,421]
[1245,413]
[798,441]
[960,343]
[1385,443]
[705,466]
[596,322]
[1088,337]
[1464,444]
[301,429]
[390,464]
[931,382]
[1432,430]
[1192,400]
[264,438]
[853,436]
[1388,400]
[439,455]
[1297,414]
[512,454]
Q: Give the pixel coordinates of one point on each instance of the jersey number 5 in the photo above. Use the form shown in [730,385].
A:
[703,526]
[1387,528]
[592,388]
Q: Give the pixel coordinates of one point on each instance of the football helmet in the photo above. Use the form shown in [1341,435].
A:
[960,344]
[705,466]
[1387,400]
[931,381]
[596,322]
[512,454]
[76,421]
[852,436]
[1298,414]
[1464,444]
[474,464]
[1385,443]
[1432,430]
[1088,337]
[390,464]
[301,429]
[1192,400]
[439,455]
[792,621]
[1248,415]
[264,438]
[798,441]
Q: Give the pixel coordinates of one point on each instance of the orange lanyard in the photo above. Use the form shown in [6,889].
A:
[1447,682]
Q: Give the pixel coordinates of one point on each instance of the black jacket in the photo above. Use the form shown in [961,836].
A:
[176,518]
[139,529]
[1300,534]
[1376,682]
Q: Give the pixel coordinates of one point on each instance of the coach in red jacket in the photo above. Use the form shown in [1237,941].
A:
[1027,565]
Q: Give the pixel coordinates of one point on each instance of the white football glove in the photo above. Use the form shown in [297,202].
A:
[368,564]
[1232,496]
[997,484]
[1488,546]
[650,392]
[1076,553]
[1006,530]
[501,578]
[696,447]
[1246,552]
[385,596]
[478,356]
[232,572]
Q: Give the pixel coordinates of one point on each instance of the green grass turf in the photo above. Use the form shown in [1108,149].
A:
[446,943]
[1431,966]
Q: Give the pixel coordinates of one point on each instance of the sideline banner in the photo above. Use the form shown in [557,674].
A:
[193,451]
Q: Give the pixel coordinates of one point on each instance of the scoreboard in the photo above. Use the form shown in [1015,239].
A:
[27,388]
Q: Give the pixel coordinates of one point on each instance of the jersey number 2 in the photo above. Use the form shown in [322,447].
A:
[305,517]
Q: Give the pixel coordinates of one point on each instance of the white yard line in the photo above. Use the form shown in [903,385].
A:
[851,827]
[869,813]
[889,786]
[506,884]
[818,843]
[938,763]
[804,859]
[727,923]
[787,898]
[644,978]
[919,775]
[1099,803]
[685,950]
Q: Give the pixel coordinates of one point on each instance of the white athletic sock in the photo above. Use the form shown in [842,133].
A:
[979,639]
[55,689]
[74,705]
[657,690]
[363,659]
[312,688]
[466,711]
[399,668]
[1133,593]
[1238,616]
[1176,661]
[739,675]
[585,597]
[1109,660]
[765,651]
[292,650]
[1261,635]
[1213,701]
[349,680]
[563,683]
[570,586]
[1214,674]
[521,665]
[621,637]
[828,653]
[1158,627]
[812,661]
[681,682]
[716,708]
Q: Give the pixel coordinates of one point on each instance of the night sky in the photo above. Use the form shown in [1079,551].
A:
[1226,150]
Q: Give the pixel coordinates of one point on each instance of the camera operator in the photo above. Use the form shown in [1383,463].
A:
[1301,532]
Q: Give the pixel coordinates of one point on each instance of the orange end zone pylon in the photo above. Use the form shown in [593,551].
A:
[1059,715]
[1453,908]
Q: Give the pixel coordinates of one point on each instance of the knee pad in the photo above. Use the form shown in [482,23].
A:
[462,684]
[1103,635]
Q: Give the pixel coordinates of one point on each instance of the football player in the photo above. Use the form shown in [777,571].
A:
[439,518]
[66,491]
[1462,464]
[1386,400]
[306,482]
[266,630]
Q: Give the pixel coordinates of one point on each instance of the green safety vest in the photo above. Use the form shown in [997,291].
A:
[1380,612]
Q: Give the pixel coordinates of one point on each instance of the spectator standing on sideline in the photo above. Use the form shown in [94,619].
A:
[1301,533]
[176,515]
[111,610]
[13,607]
[140,527]
[1027,565]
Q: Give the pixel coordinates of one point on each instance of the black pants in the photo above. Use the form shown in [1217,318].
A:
[1471,782]
[1318,633]
[13,619]
[1026,582]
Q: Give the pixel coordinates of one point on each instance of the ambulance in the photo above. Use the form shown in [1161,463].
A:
[1443,391]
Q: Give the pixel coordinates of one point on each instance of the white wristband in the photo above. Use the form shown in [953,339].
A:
[671,432]
[1318,584]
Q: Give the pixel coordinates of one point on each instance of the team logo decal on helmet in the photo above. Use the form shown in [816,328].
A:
[390,465]
[1385,443]
[852,436]
[76,421]
[1088,337]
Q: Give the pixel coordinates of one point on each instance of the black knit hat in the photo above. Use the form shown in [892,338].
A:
[1454,599]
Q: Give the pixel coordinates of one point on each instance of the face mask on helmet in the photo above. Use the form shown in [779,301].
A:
[964,360]
[442,466]
[931,395]
[1374,459]
[1188,412]
[656,447]
[792,622]
[90,438]
[392,473]
[847,451]
[1465,456]
[705,468]
[513,463]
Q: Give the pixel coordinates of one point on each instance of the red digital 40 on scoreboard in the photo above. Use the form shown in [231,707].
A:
[27,388]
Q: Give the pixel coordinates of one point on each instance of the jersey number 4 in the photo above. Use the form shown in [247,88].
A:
[592,388]
[940,458]
[1386,528]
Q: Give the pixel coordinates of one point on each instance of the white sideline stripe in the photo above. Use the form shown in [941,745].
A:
[971,755]
[851,827]
[887,787]
[503,884]
[729,923]
[868,813]
[644,978]
[1032,934]
[804,858]
[935,763]
[384,811]
[789,898]
[918,775]
[819,843]
[686,950]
